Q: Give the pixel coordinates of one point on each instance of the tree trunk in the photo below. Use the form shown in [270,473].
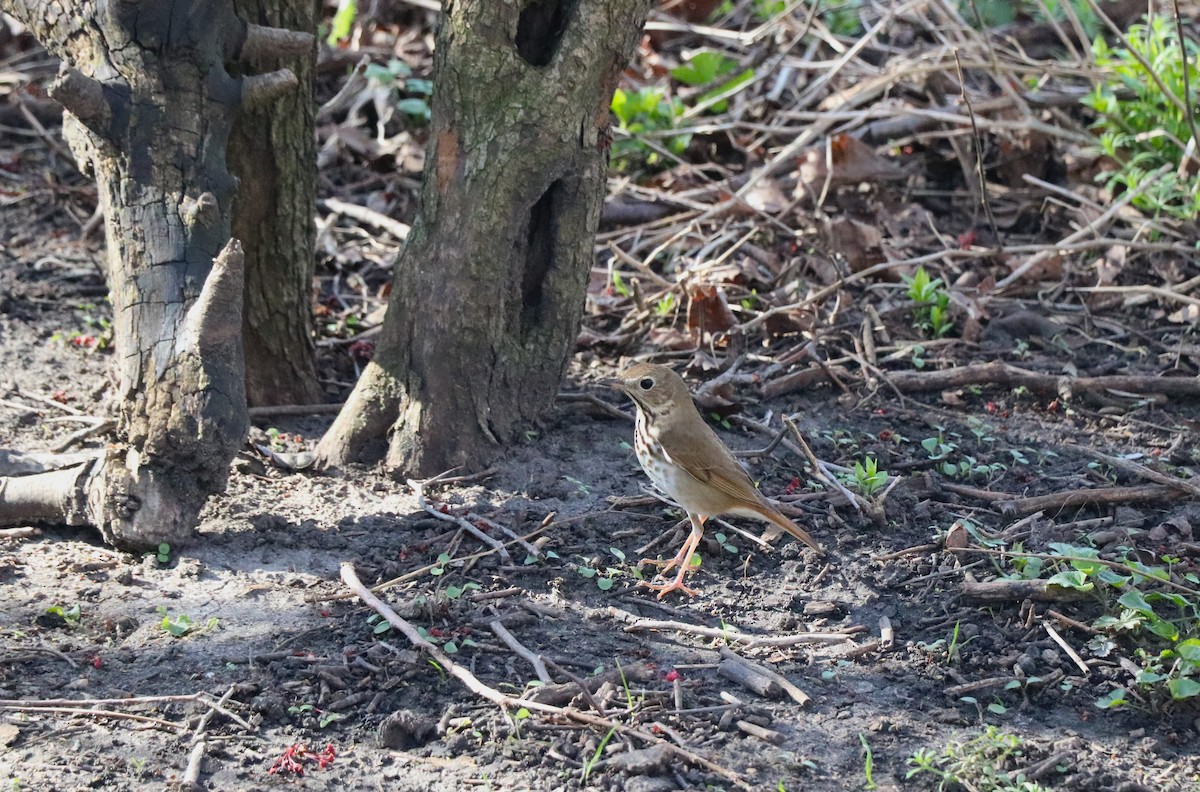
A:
[273,153]
[488,294]
[150,106]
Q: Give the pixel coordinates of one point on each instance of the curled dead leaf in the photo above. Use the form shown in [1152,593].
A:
[841,161]
[708,311]
[859,243]
[956,537]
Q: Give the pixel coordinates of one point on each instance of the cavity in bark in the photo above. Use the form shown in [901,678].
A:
[540,28]
[539,254]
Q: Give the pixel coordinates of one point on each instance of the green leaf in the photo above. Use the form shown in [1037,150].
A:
[1135,601]
[343,20]
[604,584]
[418,85]
[728,89]
[997,708]
[704,67]
[1072,579]
[1115,698]
[417,108]
[1183,687]
[1163,629]
[1189,650]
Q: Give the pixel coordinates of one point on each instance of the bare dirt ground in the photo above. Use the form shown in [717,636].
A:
[888,643]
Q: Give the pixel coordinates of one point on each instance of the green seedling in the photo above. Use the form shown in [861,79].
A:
[70,616]
[595,757]
[707,66]
[182,624]
[1152,607]
[410,95]
[619,286]
[648,118]
[931,314]
[868,763]
[867,478]
[1142,110]
[519,716]
[726,545]
[980,763]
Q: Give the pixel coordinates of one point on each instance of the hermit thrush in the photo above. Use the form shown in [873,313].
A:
[686,460]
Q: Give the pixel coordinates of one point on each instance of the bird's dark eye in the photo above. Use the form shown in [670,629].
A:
[646,384]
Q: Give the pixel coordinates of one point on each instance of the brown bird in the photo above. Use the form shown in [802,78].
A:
[684,458]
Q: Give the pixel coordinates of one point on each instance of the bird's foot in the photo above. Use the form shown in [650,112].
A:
[675,585]
[663,566]
[665,588]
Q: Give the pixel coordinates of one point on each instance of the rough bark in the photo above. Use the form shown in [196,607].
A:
[488,294]
[150,106]
[272,151]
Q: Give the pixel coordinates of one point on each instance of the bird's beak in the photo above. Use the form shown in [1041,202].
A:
[612,382]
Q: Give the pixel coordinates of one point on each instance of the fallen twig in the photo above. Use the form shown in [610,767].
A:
[750,641]
[1129,466]
[521,650]
[418,487]
[506,702]
[1010,590]
[1066,647]
[1106,496]
[797,695]
[1009,376]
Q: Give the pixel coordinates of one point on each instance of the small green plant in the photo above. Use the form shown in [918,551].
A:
[454,592]
[70,616]
[705,67]
[665,305]
[867,478]
[868,763]
[1142,127]
[978,764]
[938,447]
[410,94]
[606,576]
[450,644]
[163,556]
[595,757]
[343,20]
[644,115]
[618,285]
[1144,603]
[325,717]
[182,624]
[932,312]
[725,543]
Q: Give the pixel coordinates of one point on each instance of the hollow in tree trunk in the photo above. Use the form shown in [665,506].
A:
[488,294]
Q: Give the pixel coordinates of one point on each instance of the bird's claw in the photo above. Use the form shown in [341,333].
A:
[665,588]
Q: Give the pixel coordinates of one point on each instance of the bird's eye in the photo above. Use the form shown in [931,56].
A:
[646,384]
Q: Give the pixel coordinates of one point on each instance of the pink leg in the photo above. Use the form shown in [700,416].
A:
[682,560]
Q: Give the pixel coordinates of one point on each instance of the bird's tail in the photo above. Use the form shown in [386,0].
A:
[772,515]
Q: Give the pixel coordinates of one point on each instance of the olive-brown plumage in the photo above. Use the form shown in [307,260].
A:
[684,457]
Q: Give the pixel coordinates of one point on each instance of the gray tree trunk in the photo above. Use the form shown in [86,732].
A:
[488,294]
[150,107]
[273,152]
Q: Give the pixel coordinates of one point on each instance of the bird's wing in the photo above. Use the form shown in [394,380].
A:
[709,461]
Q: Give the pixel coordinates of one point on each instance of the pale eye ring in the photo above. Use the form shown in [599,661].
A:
[646,384]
